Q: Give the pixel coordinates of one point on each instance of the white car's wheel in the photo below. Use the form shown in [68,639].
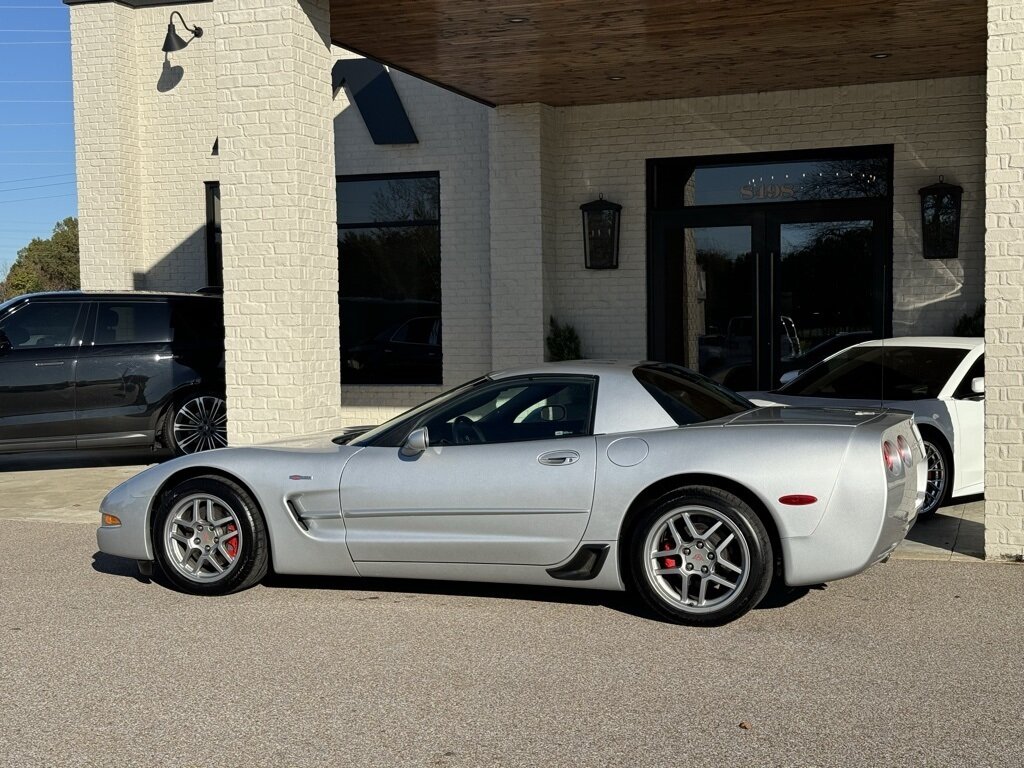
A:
[940,476]
[209,537]
[701,556]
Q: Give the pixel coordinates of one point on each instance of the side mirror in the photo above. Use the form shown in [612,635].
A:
[978,385]
[416,443]
[552,413]
[5,344]
[788,376]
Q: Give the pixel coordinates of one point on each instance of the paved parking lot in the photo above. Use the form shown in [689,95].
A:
[913,663]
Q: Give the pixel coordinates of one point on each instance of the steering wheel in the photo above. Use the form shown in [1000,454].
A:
[466,432]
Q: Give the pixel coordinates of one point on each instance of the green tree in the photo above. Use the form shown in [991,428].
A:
[45,265]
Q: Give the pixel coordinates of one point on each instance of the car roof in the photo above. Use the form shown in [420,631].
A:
[115,295]
[576,367]
[949,342]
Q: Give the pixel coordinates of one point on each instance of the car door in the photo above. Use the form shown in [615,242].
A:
[508,478]
[969,433]
[38,353]
[124,371]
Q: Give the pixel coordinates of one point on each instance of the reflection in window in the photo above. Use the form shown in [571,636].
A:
[773,181]
[389,250]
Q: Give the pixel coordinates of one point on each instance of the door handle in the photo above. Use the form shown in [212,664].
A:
[558,458]
[52,364]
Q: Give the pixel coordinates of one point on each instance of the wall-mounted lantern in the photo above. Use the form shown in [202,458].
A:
[940,220]
[174,42]
[601,233]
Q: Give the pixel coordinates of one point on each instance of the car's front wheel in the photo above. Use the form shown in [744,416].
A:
[210,538]
[700,556]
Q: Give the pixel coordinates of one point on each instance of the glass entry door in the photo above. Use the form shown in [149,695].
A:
[762,265]
[747,301]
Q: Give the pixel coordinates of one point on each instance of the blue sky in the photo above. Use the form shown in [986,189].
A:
[37,139]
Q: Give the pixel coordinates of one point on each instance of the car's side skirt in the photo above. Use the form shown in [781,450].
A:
[606,578]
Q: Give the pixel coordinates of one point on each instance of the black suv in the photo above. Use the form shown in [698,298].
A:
[91,370]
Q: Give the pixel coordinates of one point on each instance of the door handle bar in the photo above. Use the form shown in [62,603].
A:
[558,458]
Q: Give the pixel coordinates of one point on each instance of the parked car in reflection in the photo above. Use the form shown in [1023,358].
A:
[410,351]
[94,370]
[939,379]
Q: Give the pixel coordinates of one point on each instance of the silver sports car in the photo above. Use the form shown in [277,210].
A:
[638,476]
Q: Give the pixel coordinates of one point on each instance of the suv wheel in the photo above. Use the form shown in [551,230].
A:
[197,422]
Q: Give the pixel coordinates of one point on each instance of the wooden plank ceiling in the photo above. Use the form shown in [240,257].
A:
[568,51]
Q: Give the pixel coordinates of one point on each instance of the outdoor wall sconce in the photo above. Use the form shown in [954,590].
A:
[940,220]
[173,42]
[601,233]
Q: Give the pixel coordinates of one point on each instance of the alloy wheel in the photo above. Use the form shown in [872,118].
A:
[697,559]
[201,424]
[935,488]
[203,538]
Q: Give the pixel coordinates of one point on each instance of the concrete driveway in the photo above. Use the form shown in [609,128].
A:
[912,663]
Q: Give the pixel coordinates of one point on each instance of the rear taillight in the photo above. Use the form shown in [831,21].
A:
[890,457]
[904,448]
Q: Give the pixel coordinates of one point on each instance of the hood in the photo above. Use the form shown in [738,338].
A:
[315,440]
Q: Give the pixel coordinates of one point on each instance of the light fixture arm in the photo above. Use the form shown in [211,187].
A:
[196,31]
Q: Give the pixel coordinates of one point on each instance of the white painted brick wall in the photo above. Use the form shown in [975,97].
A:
[1004,288]
[111,223]
[452,133]
[937,127]
[522,164]
[278,214]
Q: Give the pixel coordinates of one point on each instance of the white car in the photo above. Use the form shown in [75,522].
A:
[939,379]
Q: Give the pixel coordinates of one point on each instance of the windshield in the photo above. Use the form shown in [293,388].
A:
[368,438]
[688,397]
[879,373]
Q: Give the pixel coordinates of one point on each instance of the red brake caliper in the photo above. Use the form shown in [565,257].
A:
[232,546]
[670,562]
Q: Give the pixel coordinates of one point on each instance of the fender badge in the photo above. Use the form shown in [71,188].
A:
[300,477]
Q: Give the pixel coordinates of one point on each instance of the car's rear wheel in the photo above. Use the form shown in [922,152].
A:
[210,538]
[700,556]
[940,476]
[196,422]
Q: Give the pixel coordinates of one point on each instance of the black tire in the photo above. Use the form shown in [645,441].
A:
[209,410]
[736,518]
[251,555]
[935,442]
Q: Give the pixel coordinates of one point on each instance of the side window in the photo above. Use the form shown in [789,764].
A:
[131,322]
[198,322]
[963,390]
[41,324]
[515,410]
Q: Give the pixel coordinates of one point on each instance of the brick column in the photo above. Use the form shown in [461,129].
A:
[103,60]
[523,153]
[278,217]
[1004,283]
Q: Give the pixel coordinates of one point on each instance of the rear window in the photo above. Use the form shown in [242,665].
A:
[688,397]
[880,373]
[132,322]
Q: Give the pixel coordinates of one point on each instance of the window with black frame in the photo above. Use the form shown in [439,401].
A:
[214,259]
[389,263]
